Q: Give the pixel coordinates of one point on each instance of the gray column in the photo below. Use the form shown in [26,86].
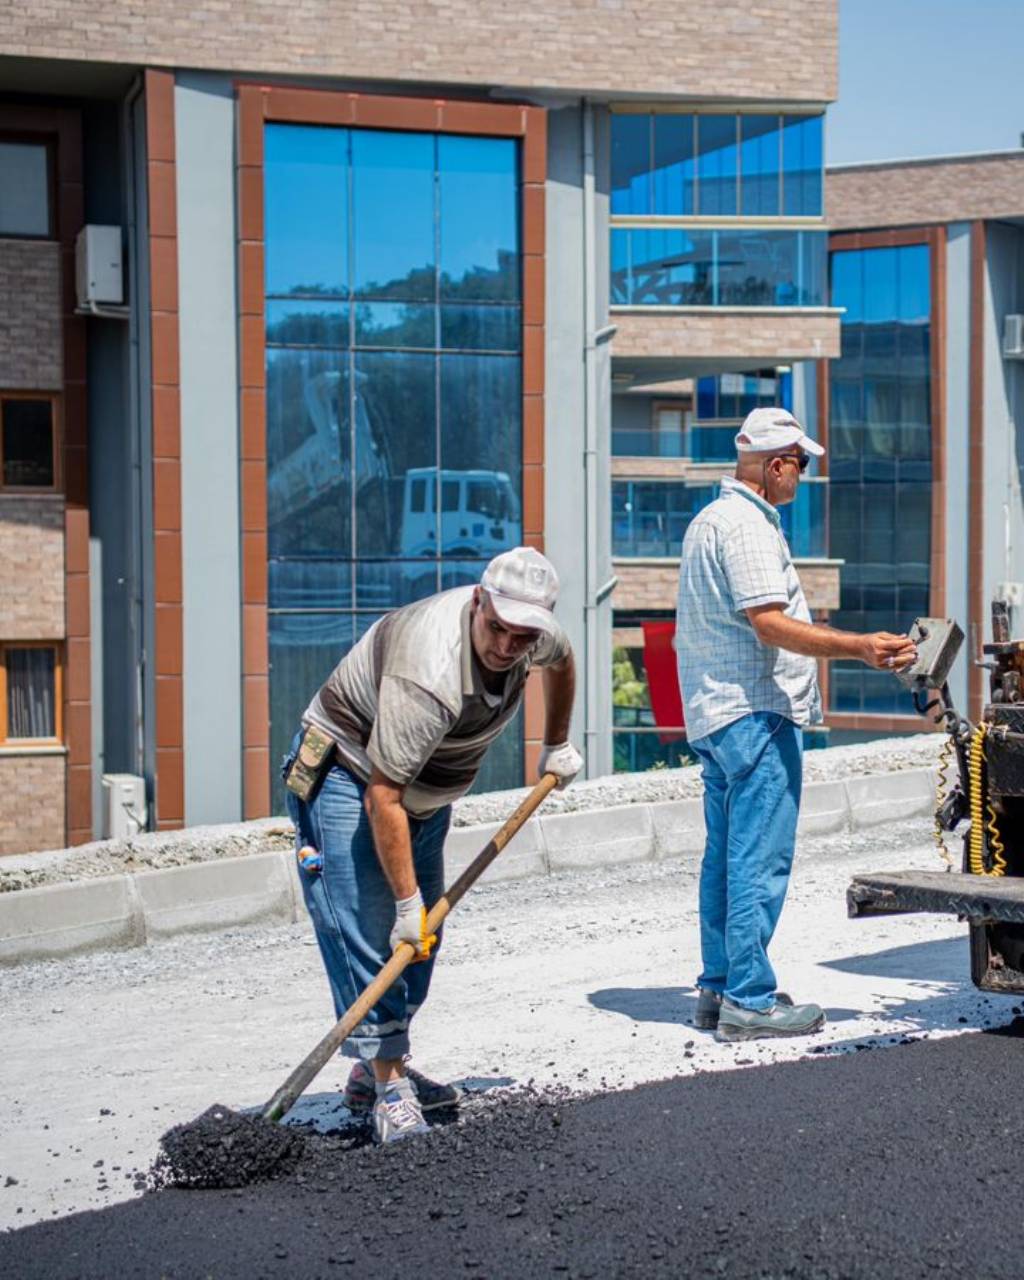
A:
[205,122]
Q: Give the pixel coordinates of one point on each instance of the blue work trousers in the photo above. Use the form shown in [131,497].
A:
[753,770]
[353,909]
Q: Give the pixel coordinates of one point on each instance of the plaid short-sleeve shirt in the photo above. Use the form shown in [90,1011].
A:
[735,557]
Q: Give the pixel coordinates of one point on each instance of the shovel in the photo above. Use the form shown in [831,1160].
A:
[404,954]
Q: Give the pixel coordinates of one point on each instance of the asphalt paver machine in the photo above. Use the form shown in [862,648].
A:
[981,783]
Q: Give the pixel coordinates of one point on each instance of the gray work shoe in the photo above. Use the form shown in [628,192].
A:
[735,1023]
[709,1006]
[397,1115]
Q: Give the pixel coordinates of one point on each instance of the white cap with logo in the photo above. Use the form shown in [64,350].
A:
[523,587]
[766,430]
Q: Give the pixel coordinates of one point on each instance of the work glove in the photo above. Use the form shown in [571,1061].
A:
[563,760]
[411,926]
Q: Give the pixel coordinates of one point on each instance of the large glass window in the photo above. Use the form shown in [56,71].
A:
[394,433]
[716,165]
[707,266]
[880,458]
[25,204]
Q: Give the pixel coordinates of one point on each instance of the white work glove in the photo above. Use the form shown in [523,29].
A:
[563,760]
[411,926]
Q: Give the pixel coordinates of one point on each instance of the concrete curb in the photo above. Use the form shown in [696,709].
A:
[115,912]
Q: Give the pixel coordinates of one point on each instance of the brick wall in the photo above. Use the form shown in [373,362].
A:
[654,584]
[645,584]
[31,568]
[925,191]
[759,334]
[30,329]
[31,802]
[784,49]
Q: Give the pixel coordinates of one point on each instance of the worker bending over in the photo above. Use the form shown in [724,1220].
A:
[395,735]
[746,649]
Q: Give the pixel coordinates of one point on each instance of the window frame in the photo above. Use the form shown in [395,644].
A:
[46,141]
[18,744]
[56,436]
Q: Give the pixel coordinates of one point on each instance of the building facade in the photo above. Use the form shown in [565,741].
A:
[375,278]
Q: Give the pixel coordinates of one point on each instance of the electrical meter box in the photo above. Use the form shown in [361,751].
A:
[99,270]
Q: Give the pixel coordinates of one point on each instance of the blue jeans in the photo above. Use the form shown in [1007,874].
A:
[353,909]
[753,771]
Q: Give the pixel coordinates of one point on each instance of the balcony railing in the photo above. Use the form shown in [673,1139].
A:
[650,517]
[702,266]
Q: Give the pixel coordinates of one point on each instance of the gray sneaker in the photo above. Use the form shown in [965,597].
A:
[360,1093]
[397,1115]
[709,1006]
[735,1023]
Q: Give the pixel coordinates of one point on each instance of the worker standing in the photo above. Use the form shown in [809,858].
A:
[746,649]
[398,732]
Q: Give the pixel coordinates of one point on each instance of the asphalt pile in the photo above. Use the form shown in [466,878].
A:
[902,1162]
[224,1149]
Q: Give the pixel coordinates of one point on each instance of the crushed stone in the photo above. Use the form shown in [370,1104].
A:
[156,850]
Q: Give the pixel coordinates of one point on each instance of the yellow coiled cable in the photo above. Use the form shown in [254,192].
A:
[945,755]
[976,766]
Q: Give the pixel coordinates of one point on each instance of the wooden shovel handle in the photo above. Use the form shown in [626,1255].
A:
[303,1075]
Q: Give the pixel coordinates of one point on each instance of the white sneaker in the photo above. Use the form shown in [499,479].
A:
[397,1114]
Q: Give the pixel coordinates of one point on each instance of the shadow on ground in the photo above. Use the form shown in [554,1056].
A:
[672,1005]
[944,960]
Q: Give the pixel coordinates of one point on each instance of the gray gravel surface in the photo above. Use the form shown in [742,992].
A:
[155,850]
[888,1164]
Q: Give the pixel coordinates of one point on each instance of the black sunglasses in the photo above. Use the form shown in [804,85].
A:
[803,460]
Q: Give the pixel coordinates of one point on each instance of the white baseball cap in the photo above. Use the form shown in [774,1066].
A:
[766,430]
[523,587]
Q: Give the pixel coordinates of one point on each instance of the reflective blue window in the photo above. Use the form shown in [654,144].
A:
[306,211]
[760,153]
[479,218]
[631,164]
[675,167]
[880,457]
[717,165]
[393,214]
[394,432]
[802,161]
[703,266]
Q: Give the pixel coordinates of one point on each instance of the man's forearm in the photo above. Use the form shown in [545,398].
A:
[391,839]
[559,690]
[812,639]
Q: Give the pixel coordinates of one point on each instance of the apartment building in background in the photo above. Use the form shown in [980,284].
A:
[311,311]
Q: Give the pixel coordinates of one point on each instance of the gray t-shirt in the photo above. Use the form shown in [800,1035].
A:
[409,699]
[735,557]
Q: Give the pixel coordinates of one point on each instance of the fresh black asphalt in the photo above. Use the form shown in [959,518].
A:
[895,1162]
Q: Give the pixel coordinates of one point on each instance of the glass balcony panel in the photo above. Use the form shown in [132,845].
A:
[675,165]
[631,164]
[802,164]
[703,266]
[759,166]
[717,166]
